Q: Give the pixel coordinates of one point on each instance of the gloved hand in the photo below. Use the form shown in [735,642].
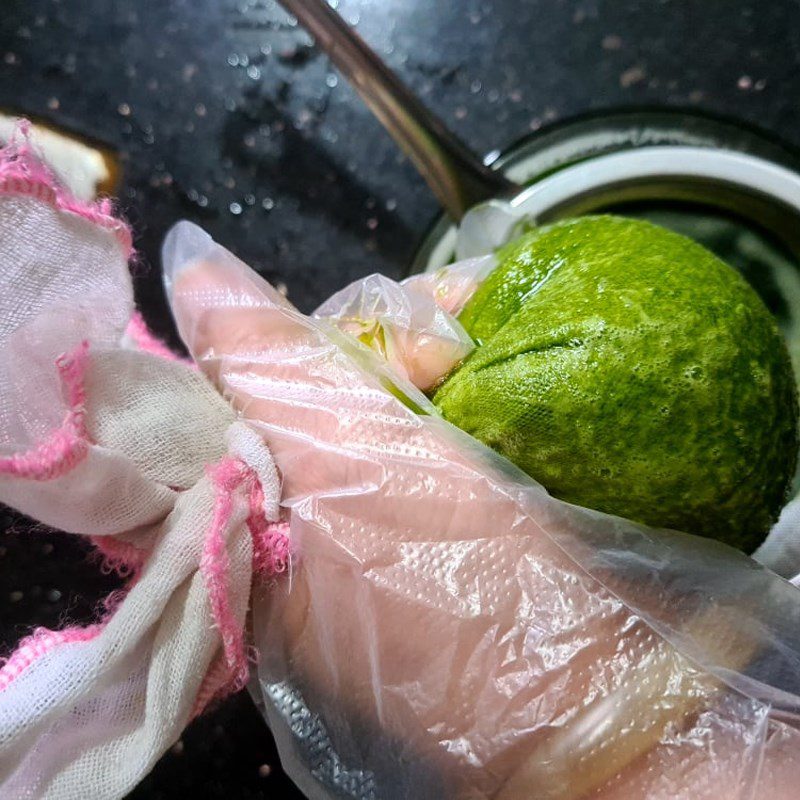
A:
[440,622]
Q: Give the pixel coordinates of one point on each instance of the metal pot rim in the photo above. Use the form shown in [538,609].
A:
[701,164]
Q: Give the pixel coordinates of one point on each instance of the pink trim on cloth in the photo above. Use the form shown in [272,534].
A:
[22,173]
[43,640]
[38,644]
[215,686]
[63,449]
[226,477]
[123,558]
[270,557]
[67,445]
[270,539]
[146,341]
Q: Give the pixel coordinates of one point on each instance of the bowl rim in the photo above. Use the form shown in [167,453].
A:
[705,148]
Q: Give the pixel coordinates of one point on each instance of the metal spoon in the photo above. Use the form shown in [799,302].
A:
[456,175]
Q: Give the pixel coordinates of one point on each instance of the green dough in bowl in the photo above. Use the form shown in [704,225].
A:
[629,370]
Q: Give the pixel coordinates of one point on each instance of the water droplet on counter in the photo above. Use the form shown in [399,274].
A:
[233,59]
[265,49]
[54,595]
[254,72]
[53,104]
[760,84]
[16,596]
[372,223]
[460,112]
[329,135]
[331,80]
[264,771]
[391,204]
[230,104]
[745,83]
[475,87]
[124,110]
[250,199]
[612,42]
[267,204]
[632,76]
[235,209]
[200,110]
[304,117]
[10,58]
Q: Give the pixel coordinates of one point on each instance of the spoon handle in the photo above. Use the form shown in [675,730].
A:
[457,177]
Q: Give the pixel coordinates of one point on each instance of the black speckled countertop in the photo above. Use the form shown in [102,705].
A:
[223,113]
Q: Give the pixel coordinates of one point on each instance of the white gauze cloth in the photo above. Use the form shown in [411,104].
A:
[131,448]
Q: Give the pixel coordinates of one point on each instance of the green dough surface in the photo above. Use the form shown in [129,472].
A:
[628,369]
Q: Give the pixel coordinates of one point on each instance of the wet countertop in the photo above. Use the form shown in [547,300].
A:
[222,112]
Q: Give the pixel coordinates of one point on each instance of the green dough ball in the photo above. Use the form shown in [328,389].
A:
[629,370]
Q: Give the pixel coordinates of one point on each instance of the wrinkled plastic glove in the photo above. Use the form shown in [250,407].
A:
[449,629]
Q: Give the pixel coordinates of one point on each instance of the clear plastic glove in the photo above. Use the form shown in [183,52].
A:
[449,629]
